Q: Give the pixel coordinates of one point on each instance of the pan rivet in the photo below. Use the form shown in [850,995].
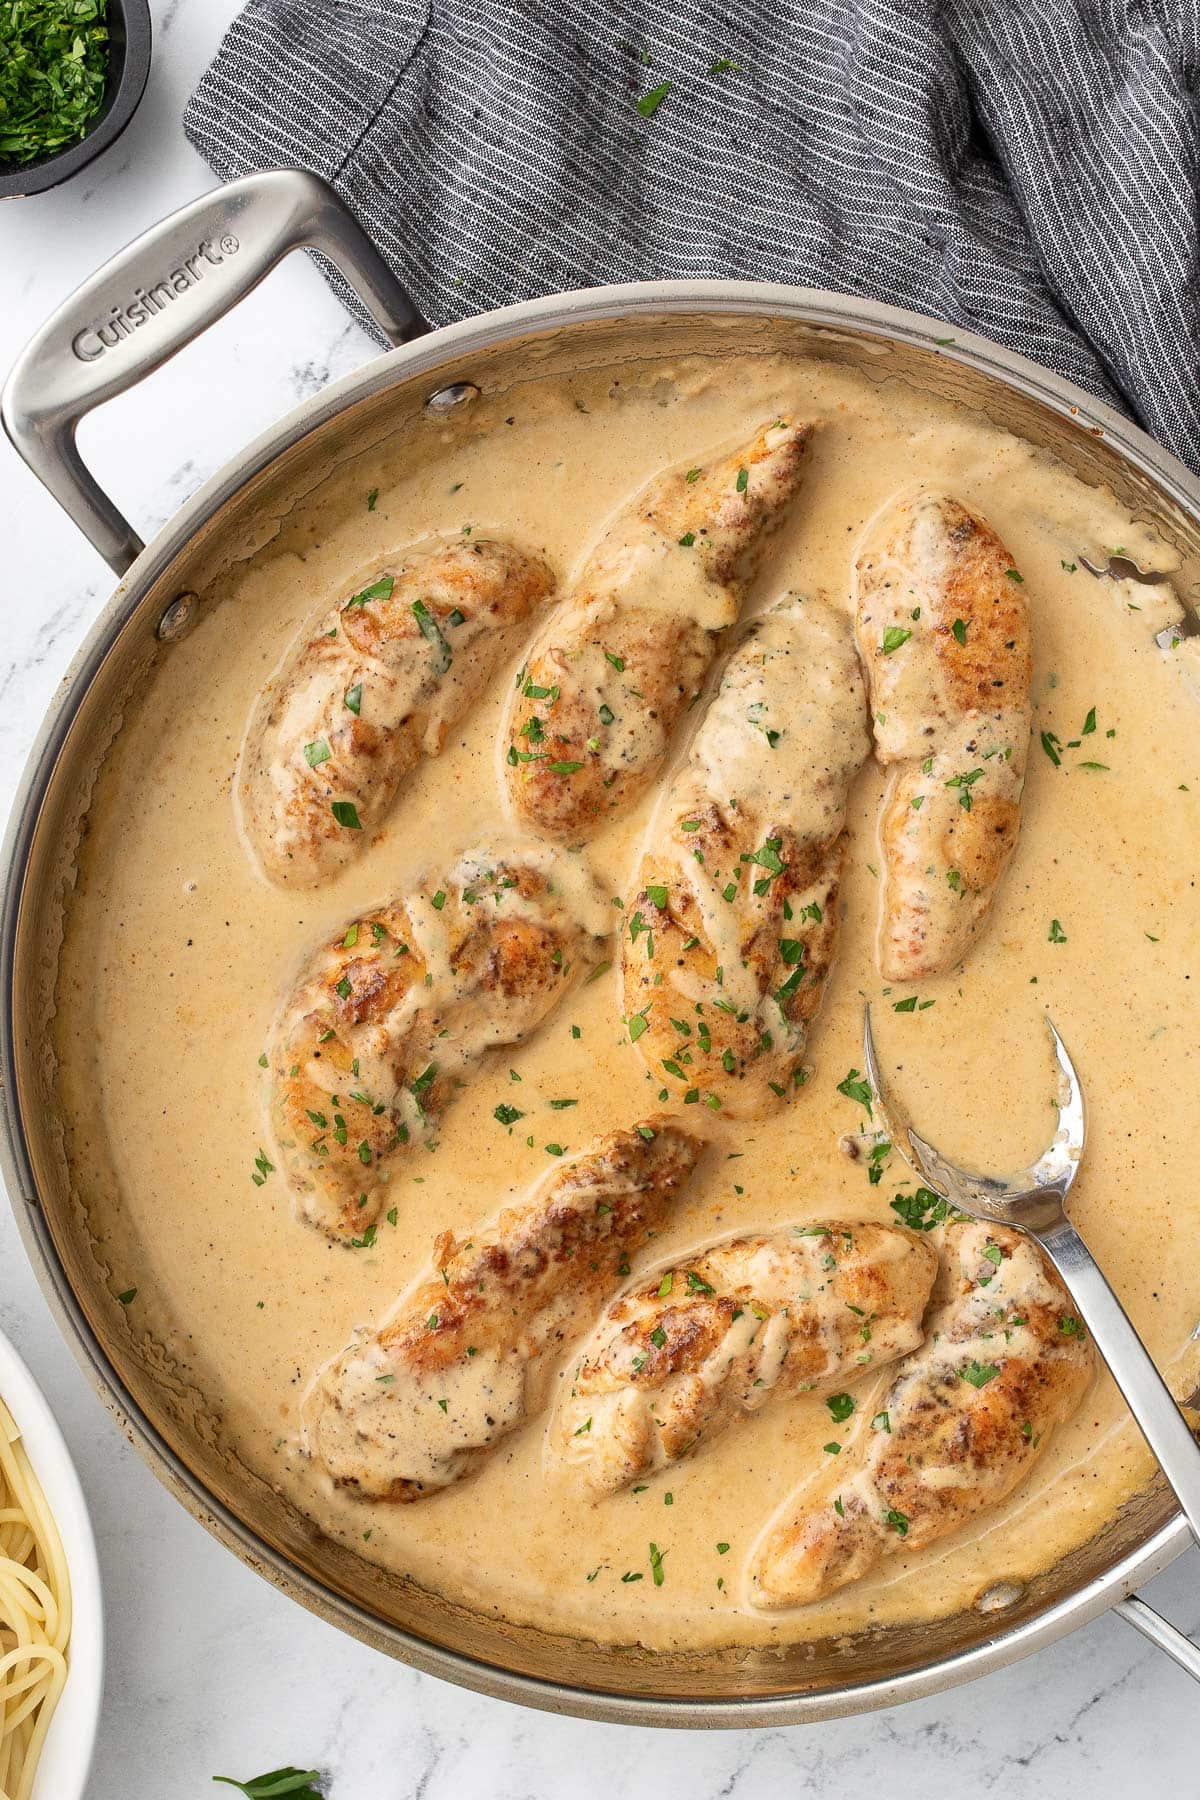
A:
[444,400]
[178,618]
[995,1599]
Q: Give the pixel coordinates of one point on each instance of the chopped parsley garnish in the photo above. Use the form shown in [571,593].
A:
[979,1374]
[921,1211]
[857,1087]
[893,637]
[964,784]
[1056,934]
[656,1564]
[1052,744]
[1070,1327]
[353,698]
[840,1407]
[897,1520]
[346,813]
[378,590]
[316,754]
[638,1024]
[128,1296]
[879,1154]
[649,103]
[657,896]
[431,631]
[507,1115]
[372,497]
[743,480]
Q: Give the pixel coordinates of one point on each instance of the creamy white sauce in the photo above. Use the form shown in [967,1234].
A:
[176,951]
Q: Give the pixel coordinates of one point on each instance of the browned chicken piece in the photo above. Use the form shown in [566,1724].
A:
[467,1358]
[368,690]
[391,1017]
[1005,1360]
[943,626]
[685,1352]
[731,928]
[627,653]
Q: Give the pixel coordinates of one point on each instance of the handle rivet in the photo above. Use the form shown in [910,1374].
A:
[995,1599]
[459,393]
[178,618]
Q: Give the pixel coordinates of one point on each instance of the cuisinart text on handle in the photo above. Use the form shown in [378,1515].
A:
[94,341]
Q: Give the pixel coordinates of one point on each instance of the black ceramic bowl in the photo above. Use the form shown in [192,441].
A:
[128,66]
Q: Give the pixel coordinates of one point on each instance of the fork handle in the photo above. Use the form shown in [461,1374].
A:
[1150,1400]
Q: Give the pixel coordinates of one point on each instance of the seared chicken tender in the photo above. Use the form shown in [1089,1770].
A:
[408,1409]
[943,626]
[730,931]
[1005,1360]
[628,651]
[368,690]
[394,1013]
[681,1355]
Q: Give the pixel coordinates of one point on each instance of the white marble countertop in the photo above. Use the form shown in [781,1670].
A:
[210,1670]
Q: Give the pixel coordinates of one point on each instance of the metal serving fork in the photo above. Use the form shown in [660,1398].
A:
[1033,1200]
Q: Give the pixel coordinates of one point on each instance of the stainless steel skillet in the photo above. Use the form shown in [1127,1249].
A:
[106,337]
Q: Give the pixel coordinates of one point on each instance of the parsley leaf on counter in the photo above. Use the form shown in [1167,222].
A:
[279,1784]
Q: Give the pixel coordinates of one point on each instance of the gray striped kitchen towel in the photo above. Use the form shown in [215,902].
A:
[1027,168]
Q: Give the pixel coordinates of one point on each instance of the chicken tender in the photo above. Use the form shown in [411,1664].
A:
[1005,1360]
[943,627]
[620,661]
[681,1355]
[375,685]
[392,1016]
[731,929]
[408,1409]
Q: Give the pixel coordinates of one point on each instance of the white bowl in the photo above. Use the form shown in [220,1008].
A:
[67,1755]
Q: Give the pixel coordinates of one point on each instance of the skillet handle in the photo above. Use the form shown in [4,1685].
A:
[154,297]
[1161,1632]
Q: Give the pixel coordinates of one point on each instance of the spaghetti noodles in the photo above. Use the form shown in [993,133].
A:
[35,1615]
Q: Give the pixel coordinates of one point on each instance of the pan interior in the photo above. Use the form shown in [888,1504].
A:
[392,423]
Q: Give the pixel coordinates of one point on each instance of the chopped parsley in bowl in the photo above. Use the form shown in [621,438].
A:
[54,61]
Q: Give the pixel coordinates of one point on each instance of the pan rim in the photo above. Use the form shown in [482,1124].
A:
[426,356]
